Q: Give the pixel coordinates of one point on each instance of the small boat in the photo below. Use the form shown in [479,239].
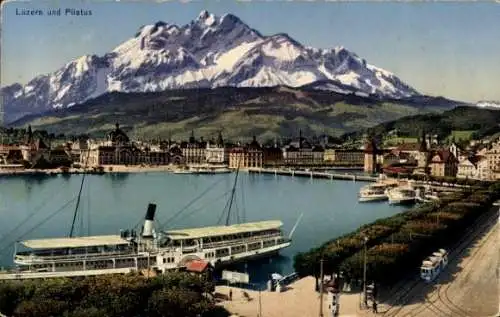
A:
[183,171]
[153,248]
[402,196]
[204,170]
[212,171]
[374,192]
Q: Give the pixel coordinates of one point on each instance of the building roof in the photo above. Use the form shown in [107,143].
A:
[371,147]
[198,266]
[40,144]
[206,232]
[411,147]
[444,156]
[254,144]
[77,242]
[117,135]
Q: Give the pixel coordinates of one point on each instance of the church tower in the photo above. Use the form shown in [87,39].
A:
[371,151]
[423,154]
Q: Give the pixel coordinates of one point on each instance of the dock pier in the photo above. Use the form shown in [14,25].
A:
[312,174]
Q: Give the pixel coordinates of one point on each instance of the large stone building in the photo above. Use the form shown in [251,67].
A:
[193,150]
[301,152]
[493,158]
[118,150]
[443,164]
[473,167]
[272,156]
[352,157]
[34,151]
[217,152]
[247,156]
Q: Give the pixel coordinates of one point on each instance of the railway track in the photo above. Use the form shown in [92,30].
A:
[438,294]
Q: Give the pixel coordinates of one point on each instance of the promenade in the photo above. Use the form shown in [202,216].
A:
[299,299]
[313,174]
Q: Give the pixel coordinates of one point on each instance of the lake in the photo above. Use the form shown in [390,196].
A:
[43,206]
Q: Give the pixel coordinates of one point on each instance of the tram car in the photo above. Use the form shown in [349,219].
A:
[433,265]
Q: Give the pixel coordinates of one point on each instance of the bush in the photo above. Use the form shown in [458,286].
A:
[397,244]
[173,294]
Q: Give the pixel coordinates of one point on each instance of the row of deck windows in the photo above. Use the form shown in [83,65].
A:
[239,236]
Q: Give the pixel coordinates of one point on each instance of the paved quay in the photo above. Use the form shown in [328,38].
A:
[299,300]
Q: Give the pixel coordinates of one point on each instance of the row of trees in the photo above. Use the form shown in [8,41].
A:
[173,294]
[397,245]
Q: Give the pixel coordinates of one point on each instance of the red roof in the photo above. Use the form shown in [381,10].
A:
[197,266]
[395,169]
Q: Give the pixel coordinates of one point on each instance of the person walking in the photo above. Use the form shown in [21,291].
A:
[375,308]
[230,294]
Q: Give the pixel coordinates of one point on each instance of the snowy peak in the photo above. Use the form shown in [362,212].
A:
[488,104]
[208,52]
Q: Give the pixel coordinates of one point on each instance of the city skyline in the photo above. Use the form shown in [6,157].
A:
[440,49]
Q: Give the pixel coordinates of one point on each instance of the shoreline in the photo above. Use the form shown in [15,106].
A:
[110,169]
[107,169]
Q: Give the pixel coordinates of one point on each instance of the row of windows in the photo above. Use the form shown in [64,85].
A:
[168,260]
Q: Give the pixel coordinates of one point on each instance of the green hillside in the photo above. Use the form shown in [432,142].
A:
[461,123]
[239,112]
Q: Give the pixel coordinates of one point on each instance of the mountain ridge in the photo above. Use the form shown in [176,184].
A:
[266,112]
[208,52]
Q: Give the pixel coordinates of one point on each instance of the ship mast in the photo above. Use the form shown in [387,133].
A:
[232,194]
[79,194]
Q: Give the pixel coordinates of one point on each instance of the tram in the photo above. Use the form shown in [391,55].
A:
[433,265]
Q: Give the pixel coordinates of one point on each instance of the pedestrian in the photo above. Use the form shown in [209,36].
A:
[375,307]
[230,294]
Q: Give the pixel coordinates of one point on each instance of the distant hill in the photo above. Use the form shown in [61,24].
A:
[476,122]
[240,112]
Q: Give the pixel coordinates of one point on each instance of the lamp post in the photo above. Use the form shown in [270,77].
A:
[364,271]
[321,288]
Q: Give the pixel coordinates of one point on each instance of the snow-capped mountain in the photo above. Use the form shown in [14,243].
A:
[208,52]
[489,104]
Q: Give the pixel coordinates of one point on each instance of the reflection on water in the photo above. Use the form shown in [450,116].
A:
[32,206]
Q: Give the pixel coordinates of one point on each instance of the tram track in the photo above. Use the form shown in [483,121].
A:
[443,290]
[440,295]
[417,287]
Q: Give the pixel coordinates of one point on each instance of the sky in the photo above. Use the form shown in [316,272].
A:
[449,49]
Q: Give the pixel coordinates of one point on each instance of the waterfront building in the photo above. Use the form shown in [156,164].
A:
[272,156]
[443,164]
[34,151]
[217,152]
[194,151]
[473,167]
[14,156]
[301,152]
[59,156]
[354,157]
[10,154]
[248,156]
[412,149]
[76,149]
[118,150]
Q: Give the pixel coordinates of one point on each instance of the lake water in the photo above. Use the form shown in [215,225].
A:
[37,207]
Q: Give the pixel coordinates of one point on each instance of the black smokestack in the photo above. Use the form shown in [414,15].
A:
[150,214]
